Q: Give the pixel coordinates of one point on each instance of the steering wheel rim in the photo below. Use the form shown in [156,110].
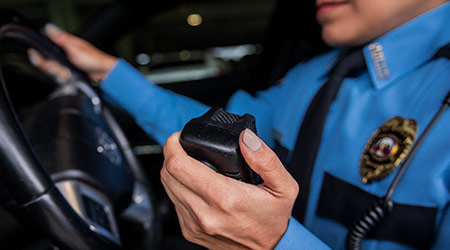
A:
[38,196]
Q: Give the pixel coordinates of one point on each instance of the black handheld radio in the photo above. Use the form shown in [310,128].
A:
[213,139]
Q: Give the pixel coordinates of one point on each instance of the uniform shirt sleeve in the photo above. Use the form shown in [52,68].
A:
[158,111]
[298,237]
[161,112]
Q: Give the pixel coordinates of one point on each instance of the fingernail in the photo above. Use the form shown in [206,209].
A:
[52,30]
[35,57]
[251,140]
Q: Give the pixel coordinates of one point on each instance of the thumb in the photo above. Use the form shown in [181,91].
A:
[265,162]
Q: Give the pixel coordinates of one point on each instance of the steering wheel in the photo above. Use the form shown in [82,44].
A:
[75,178]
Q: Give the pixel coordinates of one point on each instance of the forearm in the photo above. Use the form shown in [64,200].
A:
[158,111]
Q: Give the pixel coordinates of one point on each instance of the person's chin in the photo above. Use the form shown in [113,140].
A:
[336,37]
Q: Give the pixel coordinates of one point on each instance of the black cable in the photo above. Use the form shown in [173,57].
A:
[367,222]
[372,217]
[415,147]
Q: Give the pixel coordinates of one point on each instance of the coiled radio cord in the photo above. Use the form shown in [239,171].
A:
[372,217]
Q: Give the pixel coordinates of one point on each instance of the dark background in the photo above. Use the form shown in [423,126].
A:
[286,30]
[282,32]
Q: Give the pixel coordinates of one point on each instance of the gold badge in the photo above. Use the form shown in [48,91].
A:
[386,148]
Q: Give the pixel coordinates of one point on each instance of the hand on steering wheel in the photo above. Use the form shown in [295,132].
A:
[96,179]
[94,62]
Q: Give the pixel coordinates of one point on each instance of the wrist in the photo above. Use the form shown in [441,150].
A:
[107,65]
[278,235]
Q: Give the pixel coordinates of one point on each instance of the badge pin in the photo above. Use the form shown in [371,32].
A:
[387,148]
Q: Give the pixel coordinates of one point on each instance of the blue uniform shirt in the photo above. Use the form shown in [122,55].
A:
[401,80]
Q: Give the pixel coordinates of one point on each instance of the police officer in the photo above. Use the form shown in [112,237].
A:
[370,127]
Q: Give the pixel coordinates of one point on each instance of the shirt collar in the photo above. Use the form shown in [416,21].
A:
[408,46]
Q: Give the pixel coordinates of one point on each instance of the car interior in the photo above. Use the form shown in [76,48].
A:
[78,172]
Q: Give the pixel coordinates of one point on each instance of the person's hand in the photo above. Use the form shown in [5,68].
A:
[94,62]
[219,212]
